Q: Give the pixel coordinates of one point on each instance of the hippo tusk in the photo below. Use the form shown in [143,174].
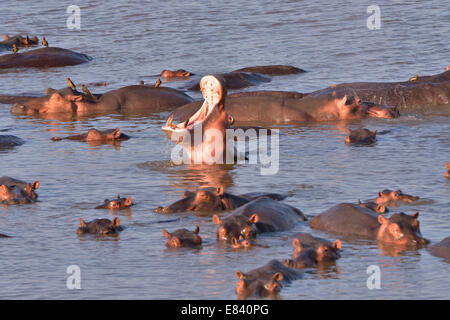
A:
[185,123]
[169,121]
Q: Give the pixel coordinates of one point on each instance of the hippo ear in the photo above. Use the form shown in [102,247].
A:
[82,223]
[415,215]
[75,98]
[116,222]
[234,242]
[166,234]
[219,191]
[277,276]
[128,201]
[253,219]
[216,219]
[381,208]
[240,275]
[359,202]
[382,219]
[49,91]
[197,230]
[342,101]
[116,133]
[357,100]
[35,185]
[337,244]
[380,194]
[296,244]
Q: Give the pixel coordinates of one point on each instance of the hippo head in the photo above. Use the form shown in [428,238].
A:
[120,203]
[394,195]
[180,73]
[94,135]
[209,122]
[259,287]
[352,107]
[55,101]
[324,252]
[100,226]
[401,230]
[183,238]
[239,227]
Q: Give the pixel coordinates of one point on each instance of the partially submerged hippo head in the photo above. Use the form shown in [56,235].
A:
[180,73]
[259,286]
[387,195]
[100,226]
[209,121]
[183,238]
[378,208]
[237,226]
[116,204]
[401,230]
[363,136]
[324,251]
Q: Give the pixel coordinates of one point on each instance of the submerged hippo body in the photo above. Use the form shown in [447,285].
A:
[9,142]
[273,70]
[97,136]
[183,238]
[211,199]
[420,95]
[265,281]
[43,58]
[27,190]
[257,216]
[354,221]
[100,227]
[127,99]
[236,80]
[282,107]
[441,249]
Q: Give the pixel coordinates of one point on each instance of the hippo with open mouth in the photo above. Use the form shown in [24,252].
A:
[209,122]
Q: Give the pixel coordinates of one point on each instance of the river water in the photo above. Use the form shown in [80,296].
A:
[136,40]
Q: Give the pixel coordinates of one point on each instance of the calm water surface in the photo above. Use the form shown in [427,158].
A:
[138,39]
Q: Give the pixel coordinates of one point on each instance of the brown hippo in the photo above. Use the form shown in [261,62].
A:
[10,99]
[100,226]
[391,196]
[420,95]
[180,73]
[18,40]
[273,70]
[351,220]
[97,135]
[265,281]
[43,58]
[257,216]
[12,195]
[282,107]
[9,142]
[211,199]
[183,238]
[361,136]
[447,173]
[235,80]
[116,204]
[302,241]
[209,121]
[28,190]
[441,249]
[127,99]
[378,208]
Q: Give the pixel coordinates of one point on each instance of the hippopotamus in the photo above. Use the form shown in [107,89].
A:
[441,249]
[11,99]
[391,196]
[28,190]
[209,121]
[302,241]
[420,95]
[180,73]
[361,136]
[235,80]
[183,238]
[447,173]
[273,70]
[46,57]
[354,221]
[13,195]
[134,98]
[378,208]
[18,40]
[257,216]
[281,107]
[211,199]
[265,281]
[9,142]
[97,135]
[100,226]
[116,204]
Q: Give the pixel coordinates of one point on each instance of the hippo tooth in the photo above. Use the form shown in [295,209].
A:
[185,123]
[169,121]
